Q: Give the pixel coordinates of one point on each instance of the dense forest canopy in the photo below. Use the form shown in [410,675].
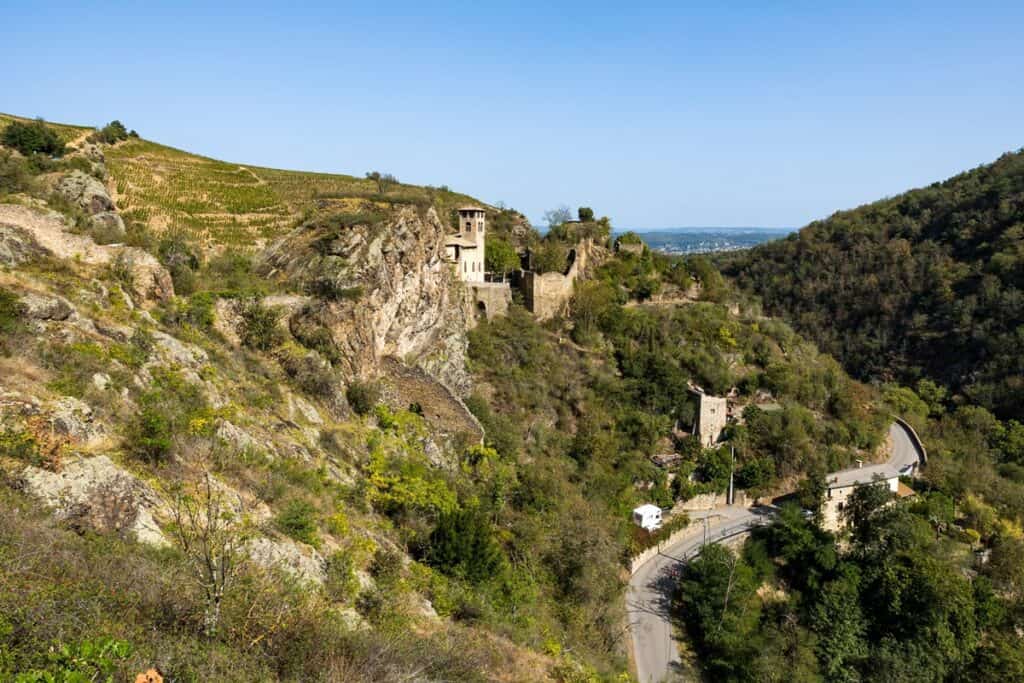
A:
[926,284]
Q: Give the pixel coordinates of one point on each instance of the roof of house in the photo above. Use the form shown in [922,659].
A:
[862,475]
[459,241]
[646,509]
[470,207]
[904,491]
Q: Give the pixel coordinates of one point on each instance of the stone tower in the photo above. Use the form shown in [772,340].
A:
[711,419]
[468,245]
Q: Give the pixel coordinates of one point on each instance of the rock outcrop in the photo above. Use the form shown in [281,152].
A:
[86,192]
[385,289]
[96,493]
[287,555]
[30,232]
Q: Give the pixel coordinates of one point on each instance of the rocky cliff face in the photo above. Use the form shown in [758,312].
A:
[381,288]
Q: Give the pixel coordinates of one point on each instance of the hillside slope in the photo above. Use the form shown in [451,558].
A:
[282,363]
[926,284]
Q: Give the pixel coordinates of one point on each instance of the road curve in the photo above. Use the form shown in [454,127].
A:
[649,595]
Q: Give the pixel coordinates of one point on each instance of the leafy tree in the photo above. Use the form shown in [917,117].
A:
[585,213]
[500,256]
[717,600]
[550,257]
[32,138]
[384,181]
[112,133]
[841,627]
[463,545]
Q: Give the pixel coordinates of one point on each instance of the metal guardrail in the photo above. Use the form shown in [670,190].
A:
[723,535]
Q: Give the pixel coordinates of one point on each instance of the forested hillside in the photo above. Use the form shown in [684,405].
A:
[926,284]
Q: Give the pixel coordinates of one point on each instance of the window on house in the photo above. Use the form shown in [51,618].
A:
[463,266]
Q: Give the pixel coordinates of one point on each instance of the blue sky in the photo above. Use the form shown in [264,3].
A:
[656,114]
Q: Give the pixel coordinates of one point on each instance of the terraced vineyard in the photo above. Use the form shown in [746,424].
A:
[222,203]
[225,203]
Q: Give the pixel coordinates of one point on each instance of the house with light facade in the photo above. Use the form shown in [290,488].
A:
[466,247]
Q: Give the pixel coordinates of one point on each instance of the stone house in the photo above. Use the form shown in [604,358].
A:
[466,247]
[842,484]
[466,250]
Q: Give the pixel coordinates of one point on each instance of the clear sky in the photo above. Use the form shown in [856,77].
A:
[656,114]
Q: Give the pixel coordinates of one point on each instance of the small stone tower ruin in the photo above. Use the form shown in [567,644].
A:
[713,411]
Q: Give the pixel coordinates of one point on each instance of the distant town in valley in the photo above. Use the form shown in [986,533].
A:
[706,240]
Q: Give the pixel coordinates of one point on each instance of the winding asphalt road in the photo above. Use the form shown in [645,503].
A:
[649,596]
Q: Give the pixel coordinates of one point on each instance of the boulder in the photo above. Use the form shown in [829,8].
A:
[237,438]
[285,554]
[73,418]
[46,306]
[96,493]
[17,246]
[178,352]
[108,227]
[85,191]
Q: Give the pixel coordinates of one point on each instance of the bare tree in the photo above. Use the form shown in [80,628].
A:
[211,535]
[558,216]
[384,180]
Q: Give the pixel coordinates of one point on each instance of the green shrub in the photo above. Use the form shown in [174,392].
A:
[259,326]
[232,275]
[89,660]
[20,445]
[463,545]
[196,310]
[150,434]
[298,520]
[362,396]
[11,312]
[14,174]
[311,373]
[111,133]
[171,406]
[327,288]
[29,138]
[341,585]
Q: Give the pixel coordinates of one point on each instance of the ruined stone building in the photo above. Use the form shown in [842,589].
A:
[712,414]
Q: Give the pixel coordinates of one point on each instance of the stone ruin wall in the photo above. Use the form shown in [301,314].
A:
[491,298]
[548,294]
